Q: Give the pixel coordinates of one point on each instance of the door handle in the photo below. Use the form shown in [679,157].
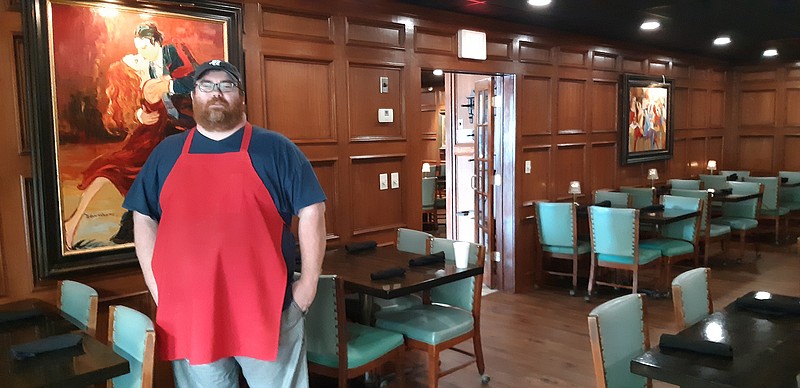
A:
[473,182]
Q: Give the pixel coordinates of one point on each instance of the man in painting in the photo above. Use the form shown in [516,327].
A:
[212,213]
[145,104]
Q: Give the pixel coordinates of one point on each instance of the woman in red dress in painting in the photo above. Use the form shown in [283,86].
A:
[132,110]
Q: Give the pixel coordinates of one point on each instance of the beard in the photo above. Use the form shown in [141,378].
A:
[219,118]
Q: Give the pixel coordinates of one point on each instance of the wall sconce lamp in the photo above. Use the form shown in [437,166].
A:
[652,174]
[712,165]
[574,189]
[470,105]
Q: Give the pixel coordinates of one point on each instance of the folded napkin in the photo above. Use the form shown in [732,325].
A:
[784,179]
[10,316]
[732,177]
[775,305]
[605,203]
[671,341]
[44,345]
[360,246]
[727,191]
[388,273]
[434,258]
[652,208]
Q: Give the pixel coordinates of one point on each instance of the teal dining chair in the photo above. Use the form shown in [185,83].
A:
[691,297]
[790,196]
[618,332]
[640,196]
[451,317]
[716,182]
[689,184]
[412,241]
[429,202]
[131,334]
[678,240]
[709,233]
[742,216]
[771,209]
[616,198]
[615,244]
[79,302]
[558,236]
[341,349]
[740,174]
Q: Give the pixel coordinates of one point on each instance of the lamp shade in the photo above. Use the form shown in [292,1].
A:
[574,187]
[426,167]
[652,174]
[712,165]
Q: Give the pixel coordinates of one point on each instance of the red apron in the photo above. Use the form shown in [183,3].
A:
[218,260]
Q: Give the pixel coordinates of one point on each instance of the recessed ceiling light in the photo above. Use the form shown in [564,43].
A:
[770,52]
[722,40]
[539,3]
[430,88]
[650,25]
[438,72]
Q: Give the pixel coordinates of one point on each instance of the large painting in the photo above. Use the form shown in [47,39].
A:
[109,81]
[645,119]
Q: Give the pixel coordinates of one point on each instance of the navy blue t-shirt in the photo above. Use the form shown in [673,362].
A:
[285,171]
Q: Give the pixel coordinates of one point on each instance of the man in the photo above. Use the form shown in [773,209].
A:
[212,210]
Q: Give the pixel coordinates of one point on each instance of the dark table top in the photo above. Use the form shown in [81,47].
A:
[766,353]
[94,363]
[716,197]
[660,217]
[355,270]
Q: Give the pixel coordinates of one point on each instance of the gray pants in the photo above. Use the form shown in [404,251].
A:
[289,370]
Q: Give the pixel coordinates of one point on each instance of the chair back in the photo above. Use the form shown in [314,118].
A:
[744,209]
[413,241]
[131,334]
[740,174]
[689,184]
[704,197]
[428,191]
[323,328]
[79,302]
[618,332]
[617,199]
[769,201]
[556,221]
[691,297]
[614,231]
[459,293]
[687,229]
[640,196]
[716,182]
[789,194]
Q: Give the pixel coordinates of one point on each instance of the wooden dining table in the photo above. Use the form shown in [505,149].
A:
[766,353]
[91,362]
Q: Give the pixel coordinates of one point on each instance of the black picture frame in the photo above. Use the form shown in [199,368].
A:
[52,257]
[646,129]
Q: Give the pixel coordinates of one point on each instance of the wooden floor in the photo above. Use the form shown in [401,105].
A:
[540,339]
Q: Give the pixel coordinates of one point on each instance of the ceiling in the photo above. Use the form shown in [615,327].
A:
[688,26]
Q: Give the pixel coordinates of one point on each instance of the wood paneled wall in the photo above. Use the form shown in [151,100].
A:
[765,130]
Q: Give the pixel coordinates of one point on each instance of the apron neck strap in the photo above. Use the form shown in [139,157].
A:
[248,133]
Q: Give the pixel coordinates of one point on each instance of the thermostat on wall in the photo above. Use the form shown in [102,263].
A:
[385,115]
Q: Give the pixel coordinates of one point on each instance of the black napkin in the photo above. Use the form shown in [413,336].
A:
[605,203]
[360,246]
[44,345]
[727,191]
[776,305]
[671,341]
[784,179]
[733,177]
[433,258]
[388,273]
[652,208]
[10,316]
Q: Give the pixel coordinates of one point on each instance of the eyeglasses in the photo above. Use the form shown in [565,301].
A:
[222,86]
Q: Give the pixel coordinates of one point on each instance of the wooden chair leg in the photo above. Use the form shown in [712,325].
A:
[591,278]
[478,349]
[635,280]
[433,368]
[574,276]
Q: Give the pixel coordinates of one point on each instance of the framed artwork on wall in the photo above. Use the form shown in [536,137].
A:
[108,81]
[646,132]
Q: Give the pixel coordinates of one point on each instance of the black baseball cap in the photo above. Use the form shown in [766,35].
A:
[218,64]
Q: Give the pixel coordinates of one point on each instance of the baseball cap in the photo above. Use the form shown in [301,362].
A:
[218,64]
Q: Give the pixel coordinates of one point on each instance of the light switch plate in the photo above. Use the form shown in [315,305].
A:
[527,166]
[384,181]
[384,84]
[385,115]
[395,179]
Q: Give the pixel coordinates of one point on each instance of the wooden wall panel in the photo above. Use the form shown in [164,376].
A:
[499,50]
[769,75]
[791,161]
[604,61]
[657,68]
[535,184]
[714,150]
[434,42]
[680,71]
[292,24]
[716,109]
[569,161]
[681,109]
[793,74]
[603,106]
[371,33]
[602,156]
[571,116]
[573,57]
[756,153]
[372,209]
[757,108]
[677,166]
[363,89]
[532,52]
[792,107]
[696,153]
[298,102]
[698,99]
[326,170]
[535,113]
[632,65]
